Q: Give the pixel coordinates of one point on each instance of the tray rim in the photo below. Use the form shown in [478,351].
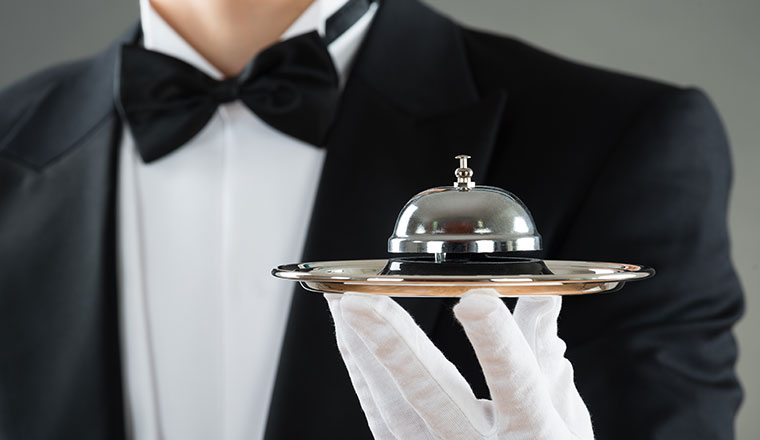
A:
[622,272]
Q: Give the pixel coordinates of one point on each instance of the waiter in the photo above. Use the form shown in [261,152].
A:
[146,192]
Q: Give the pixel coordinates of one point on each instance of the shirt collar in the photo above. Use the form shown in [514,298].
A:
[159,36]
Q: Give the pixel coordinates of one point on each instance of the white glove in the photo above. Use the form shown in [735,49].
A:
[409,390]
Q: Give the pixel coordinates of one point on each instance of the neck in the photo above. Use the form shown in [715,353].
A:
[228,33]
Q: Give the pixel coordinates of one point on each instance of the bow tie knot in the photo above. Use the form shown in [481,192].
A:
[292,86]
[225,91]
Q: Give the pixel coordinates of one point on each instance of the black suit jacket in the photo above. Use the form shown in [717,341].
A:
[614,168]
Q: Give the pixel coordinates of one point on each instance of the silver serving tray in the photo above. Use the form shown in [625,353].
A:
[362,276]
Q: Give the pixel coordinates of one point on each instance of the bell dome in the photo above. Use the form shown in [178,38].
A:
[464,218]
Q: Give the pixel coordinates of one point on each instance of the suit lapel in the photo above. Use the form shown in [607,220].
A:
[409,106]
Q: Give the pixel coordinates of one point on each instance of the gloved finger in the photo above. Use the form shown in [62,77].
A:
[537,318]
[429,382]
[376,422]
[518,390]
[396,416]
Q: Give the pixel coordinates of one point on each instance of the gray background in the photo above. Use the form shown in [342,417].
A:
[711,44]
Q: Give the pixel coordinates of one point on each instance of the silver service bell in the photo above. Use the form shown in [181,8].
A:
[464,218]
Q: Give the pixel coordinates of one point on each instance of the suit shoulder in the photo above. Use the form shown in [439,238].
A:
[501,61]
[593,107]
[47,114]
[19,99]
[42,79]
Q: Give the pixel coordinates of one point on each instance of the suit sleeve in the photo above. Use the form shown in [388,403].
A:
[656,360]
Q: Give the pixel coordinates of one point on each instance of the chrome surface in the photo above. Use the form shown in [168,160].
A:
[447,220]
[568,278]
[464,218]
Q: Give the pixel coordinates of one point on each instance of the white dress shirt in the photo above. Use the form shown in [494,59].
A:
[199,231]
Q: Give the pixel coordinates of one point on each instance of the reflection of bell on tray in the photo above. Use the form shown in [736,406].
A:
[458,238]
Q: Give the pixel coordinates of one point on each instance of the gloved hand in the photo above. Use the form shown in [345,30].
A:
[409,390]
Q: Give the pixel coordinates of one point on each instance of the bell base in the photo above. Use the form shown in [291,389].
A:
[465,264]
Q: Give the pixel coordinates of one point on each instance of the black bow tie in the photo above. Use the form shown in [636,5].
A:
[292,86]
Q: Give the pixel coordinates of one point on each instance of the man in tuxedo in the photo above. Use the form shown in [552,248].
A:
[146,192]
